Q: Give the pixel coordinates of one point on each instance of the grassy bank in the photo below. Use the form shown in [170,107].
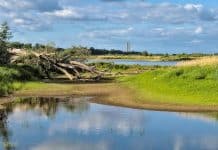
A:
[181,88]
[190,88]
[188,85]
[11,74]
[104,93]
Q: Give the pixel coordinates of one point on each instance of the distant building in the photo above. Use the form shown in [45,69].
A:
[128,47]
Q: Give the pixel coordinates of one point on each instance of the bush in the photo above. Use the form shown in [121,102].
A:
[6,80]
[110,66]
[6,88]
[198,73]
[11,74]
[26,73]
[174,73]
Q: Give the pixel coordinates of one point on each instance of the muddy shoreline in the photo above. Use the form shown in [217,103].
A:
[104,93]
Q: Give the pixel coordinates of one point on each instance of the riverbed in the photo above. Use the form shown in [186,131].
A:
[76,123]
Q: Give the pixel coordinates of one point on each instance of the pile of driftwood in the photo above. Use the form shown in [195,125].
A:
[72,69]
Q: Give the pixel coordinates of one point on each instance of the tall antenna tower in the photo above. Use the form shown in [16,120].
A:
[128,47]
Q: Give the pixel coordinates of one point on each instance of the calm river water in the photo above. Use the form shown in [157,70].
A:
[136,62]
[77,124]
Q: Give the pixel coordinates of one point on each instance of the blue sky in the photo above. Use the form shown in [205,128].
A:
[159,26]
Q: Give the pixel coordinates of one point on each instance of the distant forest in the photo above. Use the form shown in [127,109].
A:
[94,51]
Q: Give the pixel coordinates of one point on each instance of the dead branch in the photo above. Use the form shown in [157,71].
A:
[70,69]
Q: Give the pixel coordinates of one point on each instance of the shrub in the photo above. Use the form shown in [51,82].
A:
[6,80]
[110,66]
[176,73]
[26,73]
[11,74]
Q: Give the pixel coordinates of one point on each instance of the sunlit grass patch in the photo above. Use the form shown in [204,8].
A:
[180,85]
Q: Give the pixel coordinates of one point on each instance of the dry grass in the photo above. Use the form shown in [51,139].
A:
[131,57]
[210,60]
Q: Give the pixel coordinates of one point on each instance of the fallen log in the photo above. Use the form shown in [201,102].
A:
[71,68]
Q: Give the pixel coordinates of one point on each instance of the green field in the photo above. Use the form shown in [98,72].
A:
[178,85]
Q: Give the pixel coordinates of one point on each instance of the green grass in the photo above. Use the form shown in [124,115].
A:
[121,68]
[174,85]
[7,76]
[179,85]
[11,75]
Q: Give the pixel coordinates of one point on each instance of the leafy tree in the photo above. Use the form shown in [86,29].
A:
[50,47]
[78,53]
[27,46]
[16,45]
[5,35]
[145,53]
[38,47]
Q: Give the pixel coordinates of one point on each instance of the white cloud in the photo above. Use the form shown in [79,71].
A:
[106,33]
[14,4]
[18,21]
[140,12]
[65,13]
[199,30]
[191,7]
[64,145]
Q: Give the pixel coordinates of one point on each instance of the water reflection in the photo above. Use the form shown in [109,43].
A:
[206,117]
[4,132]
[48,106]
[26,111]
[74,123]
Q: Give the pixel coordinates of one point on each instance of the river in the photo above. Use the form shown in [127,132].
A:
[77,124]
[135,62]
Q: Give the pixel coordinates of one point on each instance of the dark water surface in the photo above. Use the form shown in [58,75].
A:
[136,62]
[77,124]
